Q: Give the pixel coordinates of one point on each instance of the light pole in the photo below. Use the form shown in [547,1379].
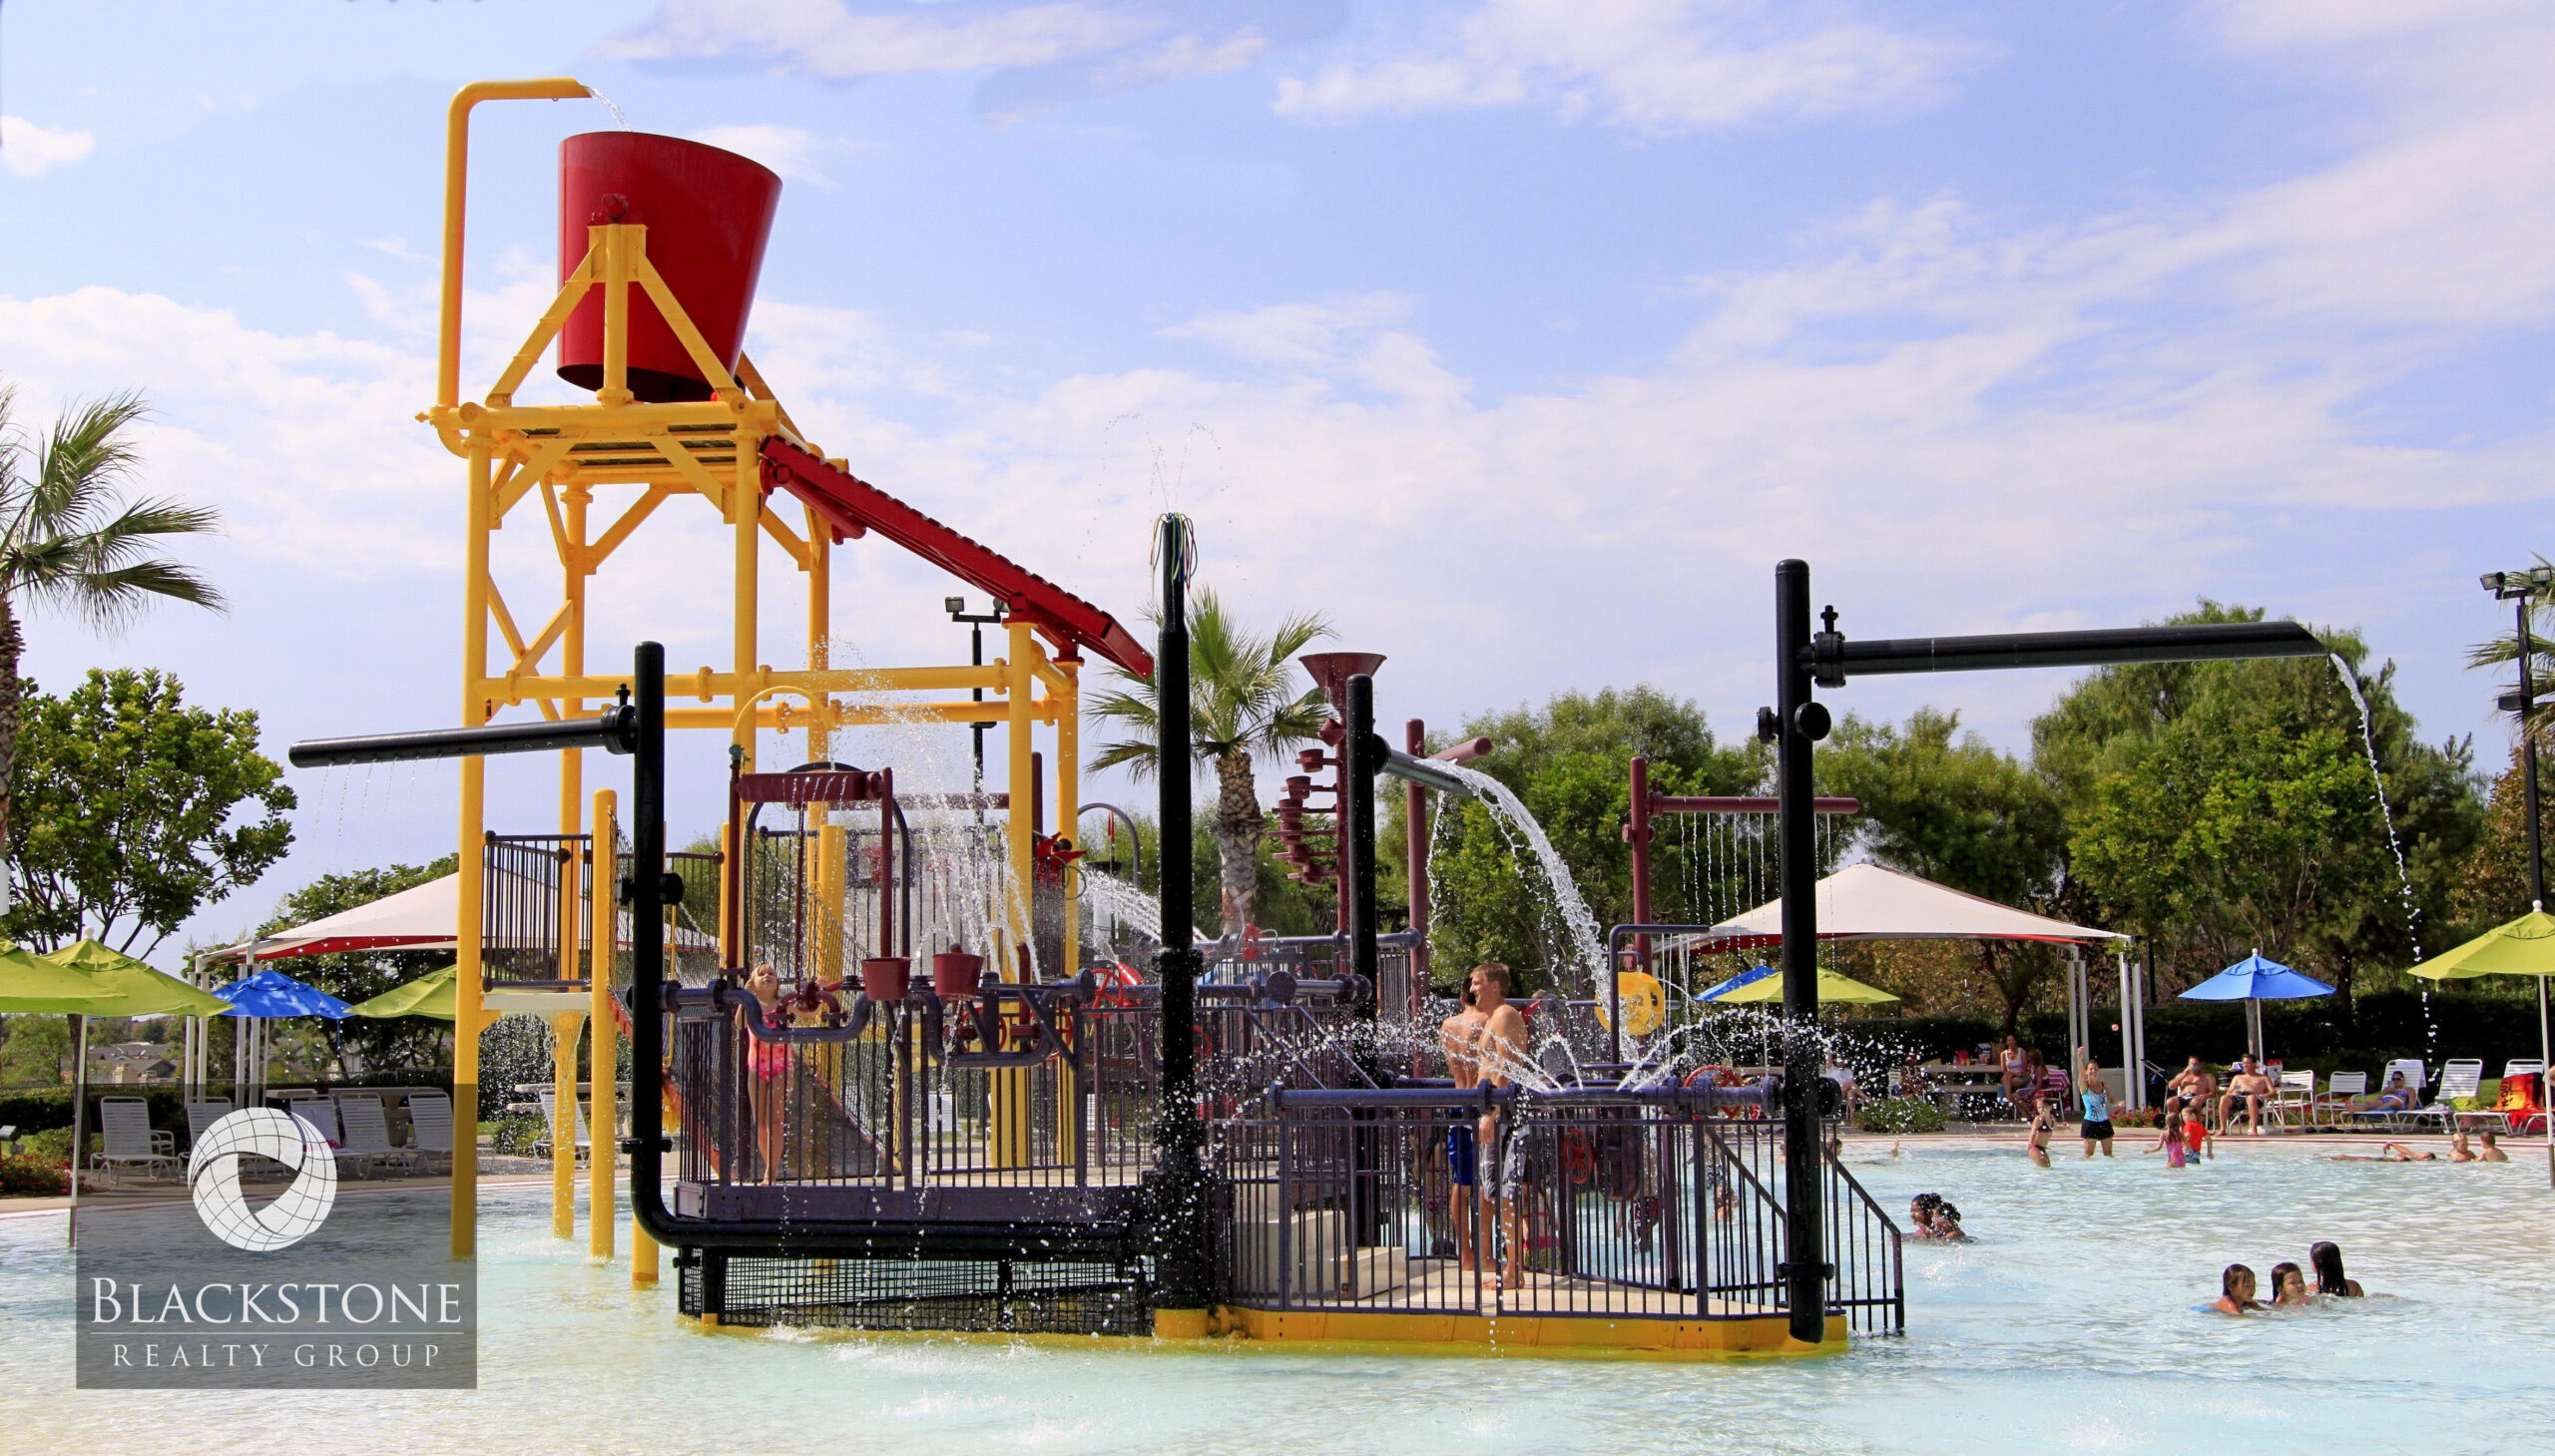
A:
[976,625]
[2520,588]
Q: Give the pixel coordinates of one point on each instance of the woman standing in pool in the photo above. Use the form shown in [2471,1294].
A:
[2329,1278]
[2097,1126]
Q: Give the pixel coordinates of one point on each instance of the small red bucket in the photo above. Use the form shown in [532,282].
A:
[956,973]
[708,214]
[884,978]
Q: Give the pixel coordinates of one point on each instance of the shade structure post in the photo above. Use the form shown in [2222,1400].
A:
[1804,1269]
[2132,1068]
[79,1111]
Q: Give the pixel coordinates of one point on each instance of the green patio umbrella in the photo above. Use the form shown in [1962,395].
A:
[428,995]
[118,985]
[134,988]
[29,983]
[1832,988]
[2524,947]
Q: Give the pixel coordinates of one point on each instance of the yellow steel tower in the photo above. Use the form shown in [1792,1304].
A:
[615,462]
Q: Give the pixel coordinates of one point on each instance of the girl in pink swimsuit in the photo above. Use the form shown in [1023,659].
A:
[770,1062]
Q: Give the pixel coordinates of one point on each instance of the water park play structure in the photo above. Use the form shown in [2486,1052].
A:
[935,1112]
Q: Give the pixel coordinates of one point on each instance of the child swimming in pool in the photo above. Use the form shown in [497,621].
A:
[2289,1286]
[2236,1291]
[2037,1150]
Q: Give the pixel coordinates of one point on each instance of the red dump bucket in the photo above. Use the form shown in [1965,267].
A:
[956,973]
[885,978]
[708,214]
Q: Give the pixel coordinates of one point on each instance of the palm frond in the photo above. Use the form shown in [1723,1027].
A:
[85,457]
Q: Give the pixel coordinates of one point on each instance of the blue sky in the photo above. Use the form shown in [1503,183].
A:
[1520,337]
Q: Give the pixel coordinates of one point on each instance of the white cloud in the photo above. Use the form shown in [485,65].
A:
[32,150]
[830,38]
[792,153]
[1654,65]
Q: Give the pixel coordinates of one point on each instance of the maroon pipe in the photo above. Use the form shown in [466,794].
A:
[1415,737]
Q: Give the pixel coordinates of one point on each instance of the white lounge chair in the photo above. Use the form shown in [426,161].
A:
[2460,1077]
[202,1114]
[430,1128]
[2417,1077]
[2294,1102]
[2343,1091]
[319,1112]
[549,1098]
[126,1140]
[367,1137]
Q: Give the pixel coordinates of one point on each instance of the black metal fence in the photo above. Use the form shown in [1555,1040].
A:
[1574,1202]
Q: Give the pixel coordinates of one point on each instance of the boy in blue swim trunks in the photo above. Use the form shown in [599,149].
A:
[1460,1035]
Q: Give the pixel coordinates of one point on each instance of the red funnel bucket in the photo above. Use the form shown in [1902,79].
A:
[708,214]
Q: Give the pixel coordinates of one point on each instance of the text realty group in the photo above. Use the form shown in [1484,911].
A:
[410,1310]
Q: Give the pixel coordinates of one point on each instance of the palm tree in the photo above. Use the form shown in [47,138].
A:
[1243,706]
[69,541]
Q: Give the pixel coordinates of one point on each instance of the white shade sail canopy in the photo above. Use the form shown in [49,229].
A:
[420,918]
[1874,903]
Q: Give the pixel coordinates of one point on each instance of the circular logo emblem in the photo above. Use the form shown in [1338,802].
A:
[214,1172]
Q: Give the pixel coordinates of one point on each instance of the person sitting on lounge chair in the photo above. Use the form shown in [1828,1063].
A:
[2194,1084]
[2250,1088]
[2395,1097]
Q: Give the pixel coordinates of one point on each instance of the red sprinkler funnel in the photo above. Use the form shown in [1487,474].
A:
[708,214]
[1331,671]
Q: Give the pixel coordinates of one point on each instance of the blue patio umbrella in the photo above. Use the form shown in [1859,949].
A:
[2254,980]
[273,994]
[1746,977]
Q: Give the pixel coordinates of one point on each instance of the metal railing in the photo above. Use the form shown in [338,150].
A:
[1596,1202]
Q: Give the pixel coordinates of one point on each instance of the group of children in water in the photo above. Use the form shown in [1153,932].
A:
[2237,1289]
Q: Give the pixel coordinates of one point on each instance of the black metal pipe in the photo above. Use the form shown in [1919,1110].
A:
[1178,1197]
[1367,755]
[1796,714]
[612,731]
[1835,659]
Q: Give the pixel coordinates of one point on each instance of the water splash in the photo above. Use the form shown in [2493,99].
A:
[2368,742]
[1581,934]
[618,119]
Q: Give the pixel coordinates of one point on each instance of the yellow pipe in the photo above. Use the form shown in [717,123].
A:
[468,1008]
[681,684]
[1019,830]
[456,168]
[821,619]
[604,1050]
[1068,700]
[744,509]
[565,1030]
[617,243]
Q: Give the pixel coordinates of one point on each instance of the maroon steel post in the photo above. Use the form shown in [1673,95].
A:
[886,786]
[1415,737]
[1637,834]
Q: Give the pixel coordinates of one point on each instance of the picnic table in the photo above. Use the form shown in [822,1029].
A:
[1948,1083]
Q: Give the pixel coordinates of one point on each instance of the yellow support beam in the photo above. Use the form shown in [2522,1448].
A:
[604,1042]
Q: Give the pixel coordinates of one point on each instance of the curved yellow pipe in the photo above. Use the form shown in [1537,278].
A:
[456,166]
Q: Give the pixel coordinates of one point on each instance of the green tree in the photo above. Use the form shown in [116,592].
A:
[1567,763]
[1245,708]
[375,1045]
[1948,806]
[137,812]
[2221,807]
[70,542]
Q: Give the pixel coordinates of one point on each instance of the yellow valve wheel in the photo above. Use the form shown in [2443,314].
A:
[1644,1004]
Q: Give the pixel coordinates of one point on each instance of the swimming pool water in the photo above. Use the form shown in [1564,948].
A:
[2069,1326]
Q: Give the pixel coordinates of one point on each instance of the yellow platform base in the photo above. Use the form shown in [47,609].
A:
[1376,1332]
[1585,1337]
